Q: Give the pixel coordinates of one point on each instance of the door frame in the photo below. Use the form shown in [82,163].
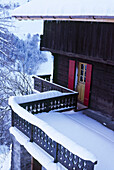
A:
[73,79]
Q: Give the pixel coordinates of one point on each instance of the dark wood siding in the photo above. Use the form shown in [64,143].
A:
[102,87]
[102,93]
[61,65]
[89,42]
[92,39]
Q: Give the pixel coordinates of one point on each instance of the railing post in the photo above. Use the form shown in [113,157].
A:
[12,117]
[75,102]
[42,89]
[31,133]
[48,106]
[56,153]
[90,165]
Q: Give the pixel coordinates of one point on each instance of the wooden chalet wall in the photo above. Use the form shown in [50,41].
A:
[89,42]
[91,39]
[102,90]
[60,75]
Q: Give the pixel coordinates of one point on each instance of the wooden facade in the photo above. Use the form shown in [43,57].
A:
[88,42]
[93,40]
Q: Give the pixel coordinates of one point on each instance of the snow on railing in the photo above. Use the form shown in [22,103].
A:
[64,148]
[42,85]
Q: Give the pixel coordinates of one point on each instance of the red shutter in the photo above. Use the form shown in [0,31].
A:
[87,84]
[71,76]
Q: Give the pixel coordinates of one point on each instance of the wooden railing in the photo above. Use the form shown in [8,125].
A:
[42,85]
[45,76]
[53,103]
[37,135]
[56,150]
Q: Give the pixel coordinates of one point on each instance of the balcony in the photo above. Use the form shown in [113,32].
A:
[42,85]
[25,112]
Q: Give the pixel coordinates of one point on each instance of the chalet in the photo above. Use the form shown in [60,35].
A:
[81,38]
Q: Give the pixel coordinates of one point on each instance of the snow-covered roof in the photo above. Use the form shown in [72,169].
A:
[67,9]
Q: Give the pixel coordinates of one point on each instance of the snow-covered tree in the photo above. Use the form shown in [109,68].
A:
[19,59]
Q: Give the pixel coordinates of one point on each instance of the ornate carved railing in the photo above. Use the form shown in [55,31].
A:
[42,85]
[56,150]
[45,105]
[37,135]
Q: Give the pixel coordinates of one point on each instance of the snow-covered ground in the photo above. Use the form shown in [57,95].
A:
[5,157]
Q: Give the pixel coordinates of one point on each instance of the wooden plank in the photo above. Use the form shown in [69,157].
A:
[108,19]
[93,40]
[80,57]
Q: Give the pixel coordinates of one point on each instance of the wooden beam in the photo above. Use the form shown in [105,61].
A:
[109,19]
[79,56]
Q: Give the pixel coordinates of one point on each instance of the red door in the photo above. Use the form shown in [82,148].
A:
[71,75]
[87,84]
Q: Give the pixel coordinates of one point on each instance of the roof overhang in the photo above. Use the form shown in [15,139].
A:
[68,18]
[74,10]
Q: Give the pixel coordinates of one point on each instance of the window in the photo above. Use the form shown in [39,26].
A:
[83,73]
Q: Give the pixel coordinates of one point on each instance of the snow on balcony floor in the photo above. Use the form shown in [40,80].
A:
[86,132]
[77,132]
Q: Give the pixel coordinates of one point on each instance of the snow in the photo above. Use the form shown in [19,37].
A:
[82,131]
[86,132]
[77,132]
[21,2]
[66,8]
[80,134]
[7,162]
[5,158]
[3,53]
[49,130]
[22,28]
[4,40]
[46,67]
[34,97]
[37,152]
[93,125]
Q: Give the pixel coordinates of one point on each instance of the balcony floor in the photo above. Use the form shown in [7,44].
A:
[81,106]
[86,132]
